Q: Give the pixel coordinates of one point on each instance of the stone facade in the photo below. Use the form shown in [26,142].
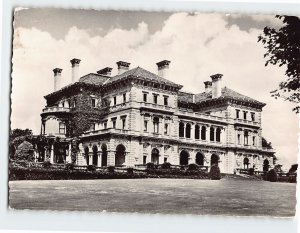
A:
[148,119]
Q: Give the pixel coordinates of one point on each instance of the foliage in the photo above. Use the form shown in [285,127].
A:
[215,173]
[266,144]
[111,169]
[74,149]
[251,171]
[150,166]
[293,168]
[272,176]
[16,137]
[91,168]
[24,152]
[70,166]
[130,171]
[46,164]
[193,167]
[166,165]
[278,168]
[283,49]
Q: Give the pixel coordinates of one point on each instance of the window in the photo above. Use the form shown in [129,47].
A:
[144,159]
[245,115]
[188,131]
[165,159]
[166,129]
[203,133]
[62,128]
[145,126]
[154,99]
[124,98]
[252,116]
[105,125]
[166,100]
[181,129]
[156,125]
[197,132]
[93,103]
[239,139]
[74,103]
[115,100]
[237,113]
[212,134]
[93,127]
[123,123]
[114,122]
[145,95]
[246,138]
[253,141]
[218,135]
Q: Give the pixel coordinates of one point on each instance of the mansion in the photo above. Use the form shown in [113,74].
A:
[137,117]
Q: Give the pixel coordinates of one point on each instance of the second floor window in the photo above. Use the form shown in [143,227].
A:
[62,128]
[156,125]
[166,129]
[105,125]
[246,138]
[253,141]
[237,113]
[115,100]
[155,99]
[239,139]
[252,116]
[123,123]
[93,127]
[145,97]
[145,126]
[166,100]
[93,103]
[114,124]
[124,98]
[245,115]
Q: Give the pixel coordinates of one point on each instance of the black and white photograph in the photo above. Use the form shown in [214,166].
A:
[154,112]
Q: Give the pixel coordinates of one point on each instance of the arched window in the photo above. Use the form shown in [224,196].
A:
[246,137]
[184,158]
[188,130]
[104,155]
[181,129]
[120,155]
[246,163]
[212,134]
[155,156]
[95,155]
[218,135]
[199,159]
[156,124]
[197,132]
[203,133]
[86,155]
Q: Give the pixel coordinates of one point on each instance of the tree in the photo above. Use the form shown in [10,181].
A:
[16,137]
[283,48]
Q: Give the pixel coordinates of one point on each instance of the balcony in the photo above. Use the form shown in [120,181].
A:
[246,122]
[183,113]
[157,106]
[55,109]
[106,131]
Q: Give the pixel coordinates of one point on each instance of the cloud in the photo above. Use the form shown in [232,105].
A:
[198,46]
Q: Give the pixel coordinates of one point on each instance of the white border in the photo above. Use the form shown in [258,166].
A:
[83,221]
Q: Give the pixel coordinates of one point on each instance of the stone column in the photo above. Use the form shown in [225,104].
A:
[192,133]
[207,133]
[161,155]
[68,159]
[52,154]
[184,125]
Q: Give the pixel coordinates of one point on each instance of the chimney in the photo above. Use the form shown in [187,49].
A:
[216,85]
[163,68]
[75,68]
[57,78]
[207,86]
[105,71]
[122,66]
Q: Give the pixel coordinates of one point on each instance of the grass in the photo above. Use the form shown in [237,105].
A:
[167,196]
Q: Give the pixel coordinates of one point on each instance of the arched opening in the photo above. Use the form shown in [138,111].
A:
[212,134]
[197,132]
[246,163]
[95,155]
[181,129]
[214,160]
[104,155]
[155,156]
[218,135]
[200,159]
[203,133]
[266,165]
[120,155]
[86,155]
[184,158]
[188,130]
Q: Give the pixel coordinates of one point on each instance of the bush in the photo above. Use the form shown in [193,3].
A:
[130,171]
[292,178]
[215,173]
[70,166]
[46,164]
[91,168]
[193,167]
[272,176]
[150,166]
[251,172]
[166,165]
[111,169]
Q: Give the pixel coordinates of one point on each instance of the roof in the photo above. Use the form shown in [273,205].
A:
[141,73]
[94,79]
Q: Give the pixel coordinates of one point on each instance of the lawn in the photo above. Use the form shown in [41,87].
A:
[167,196]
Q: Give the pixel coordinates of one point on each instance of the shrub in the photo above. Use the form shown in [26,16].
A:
[70,166]
[46,164]
[130,171]
[150,166]
[272,176]
[215,173]
[91,168]
[166,165]
[193,167]
[251,171]
[292,178]
[111,169]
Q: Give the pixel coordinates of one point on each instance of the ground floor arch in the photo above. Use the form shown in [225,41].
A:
[104,155]
[246,163]
[200,159]
[184,157]
[155,156]
[120,155]
[95,155]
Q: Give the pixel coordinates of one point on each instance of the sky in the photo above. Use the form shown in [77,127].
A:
[197,44]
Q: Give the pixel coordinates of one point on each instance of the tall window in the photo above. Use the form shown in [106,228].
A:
[93,127]
[156,125]
[145,95]
[115,100]
[246,138]
[188,130]
[166,100]
[218,135]
[145,126]
[203,133]
[181,129]
[252,116]
[245,115]
[93,103]
[123,123]
[62,128]
[237,113]
[253,140]
[197,132]
[166,129]
[124,98]
[239,139]
[114,123]
[154,99]
[212,134]
[105,125]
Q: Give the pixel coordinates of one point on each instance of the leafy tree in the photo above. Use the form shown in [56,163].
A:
[283,48]
[16,137]
[293,168]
